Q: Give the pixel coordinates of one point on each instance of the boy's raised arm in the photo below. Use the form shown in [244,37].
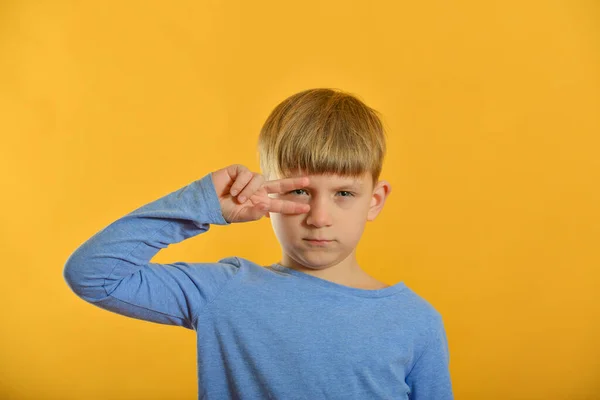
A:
[112,269]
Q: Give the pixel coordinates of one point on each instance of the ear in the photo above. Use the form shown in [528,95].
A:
[380,193]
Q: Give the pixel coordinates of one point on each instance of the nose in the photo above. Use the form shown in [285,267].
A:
[319,214]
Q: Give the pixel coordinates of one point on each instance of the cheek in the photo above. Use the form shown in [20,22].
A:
[354,224]
[282,225]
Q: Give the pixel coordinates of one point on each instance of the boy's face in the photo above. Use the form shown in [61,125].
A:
[339,209]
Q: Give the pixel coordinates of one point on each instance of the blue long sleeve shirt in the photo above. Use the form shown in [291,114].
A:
[263,332]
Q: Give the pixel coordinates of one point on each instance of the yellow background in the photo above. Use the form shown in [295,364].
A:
[492,110]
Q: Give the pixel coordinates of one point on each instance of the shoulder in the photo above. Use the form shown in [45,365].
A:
[420,312]
[240,265]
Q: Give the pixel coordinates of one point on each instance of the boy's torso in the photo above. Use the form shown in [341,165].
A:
[268,332]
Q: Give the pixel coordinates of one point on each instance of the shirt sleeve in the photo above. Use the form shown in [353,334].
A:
[112,269]
[429,378]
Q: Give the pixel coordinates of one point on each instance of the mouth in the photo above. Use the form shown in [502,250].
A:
[318,241]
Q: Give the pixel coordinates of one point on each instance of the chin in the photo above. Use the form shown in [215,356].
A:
[317,262]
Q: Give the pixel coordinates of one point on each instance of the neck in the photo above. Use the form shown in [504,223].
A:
[345,272]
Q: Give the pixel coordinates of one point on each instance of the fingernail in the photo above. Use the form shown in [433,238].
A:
[242,199]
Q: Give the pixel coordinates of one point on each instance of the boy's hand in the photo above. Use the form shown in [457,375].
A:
[244,195]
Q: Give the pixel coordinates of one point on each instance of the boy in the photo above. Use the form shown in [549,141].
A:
[313,325]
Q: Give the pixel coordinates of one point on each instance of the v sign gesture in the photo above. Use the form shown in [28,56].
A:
[251,193]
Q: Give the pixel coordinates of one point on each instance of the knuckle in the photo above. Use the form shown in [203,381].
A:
[242,179]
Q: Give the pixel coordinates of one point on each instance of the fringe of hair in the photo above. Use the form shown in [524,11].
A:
[322,131]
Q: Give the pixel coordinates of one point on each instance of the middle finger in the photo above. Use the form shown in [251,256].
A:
[287,207]
[286,184]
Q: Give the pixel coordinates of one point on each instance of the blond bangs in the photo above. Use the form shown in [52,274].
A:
[322,131]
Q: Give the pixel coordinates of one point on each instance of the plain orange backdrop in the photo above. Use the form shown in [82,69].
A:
[492,110]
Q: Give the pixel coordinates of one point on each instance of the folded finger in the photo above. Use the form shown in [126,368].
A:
[254,184]
[241,181]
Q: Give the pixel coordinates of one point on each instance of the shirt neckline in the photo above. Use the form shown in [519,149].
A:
[387,291]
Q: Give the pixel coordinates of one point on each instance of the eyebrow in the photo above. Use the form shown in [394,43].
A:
[353,186]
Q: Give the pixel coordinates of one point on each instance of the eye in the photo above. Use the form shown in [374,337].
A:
[296,191]
[344,193]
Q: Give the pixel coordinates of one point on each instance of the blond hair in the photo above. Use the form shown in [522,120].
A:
[322,131]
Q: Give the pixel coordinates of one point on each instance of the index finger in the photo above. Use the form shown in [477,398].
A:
[286,184]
